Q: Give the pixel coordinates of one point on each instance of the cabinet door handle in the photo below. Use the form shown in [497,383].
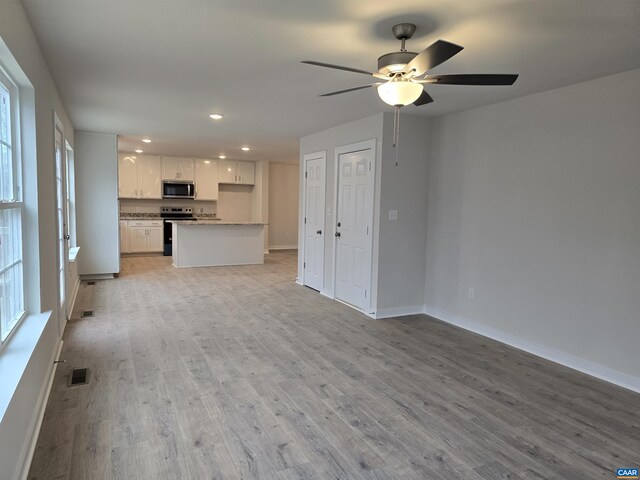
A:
[337,234]
[319,232]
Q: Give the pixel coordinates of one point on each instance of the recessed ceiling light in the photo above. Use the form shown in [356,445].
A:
[222,157]
[216,116]
[138,151]
[146,140]
[245,149]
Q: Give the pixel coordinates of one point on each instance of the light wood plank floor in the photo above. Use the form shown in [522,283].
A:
[238,373]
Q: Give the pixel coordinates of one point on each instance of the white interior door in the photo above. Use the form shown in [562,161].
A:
[314,231]
[354,221]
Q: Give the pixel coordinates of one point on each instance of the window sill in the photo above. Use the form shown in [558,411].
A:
[73,253]
[16,353]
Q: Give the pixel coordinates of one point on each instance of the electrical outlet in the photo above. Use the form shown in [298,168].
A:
[393,214]
[472,293]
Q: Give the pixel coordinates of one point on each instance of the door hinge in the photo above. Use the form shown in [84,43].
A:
[367,230]
[305,220]
[305,174]
[365,294]
[369,166]
[304,264]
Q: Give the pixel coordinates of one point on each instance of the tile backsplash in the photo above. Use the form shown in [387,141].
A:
[134,207]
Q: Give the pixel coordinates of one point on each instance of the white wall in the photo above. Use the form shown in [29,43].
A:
[283,205]
[41,280]
[96,159]
[534,203]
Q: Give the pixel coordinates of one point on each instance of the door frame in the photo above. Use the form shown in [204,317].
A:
[321,155]
[62,230]
[353,148]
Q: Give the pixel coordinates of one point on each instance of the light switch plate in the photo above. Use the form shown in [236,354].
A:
[393,214]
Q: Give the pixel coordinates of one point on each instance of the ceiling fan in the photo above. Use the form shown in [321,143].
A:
[403,73]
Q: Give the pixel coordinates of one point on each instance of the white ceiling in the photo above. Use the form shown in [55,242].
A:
[157,68]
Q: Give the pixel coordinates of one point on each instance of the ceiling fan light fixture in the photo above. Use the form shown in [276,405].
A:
[400,92]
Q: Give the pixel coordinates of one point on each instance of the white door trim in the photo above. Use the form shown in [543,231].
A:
[322,155]
[61,229]
[352,148]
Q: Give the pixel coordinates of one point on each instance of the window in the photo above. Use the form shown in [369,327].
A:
[11,207]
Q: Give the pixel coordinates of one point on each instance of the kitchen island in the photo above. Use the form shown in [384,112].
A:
[211,243]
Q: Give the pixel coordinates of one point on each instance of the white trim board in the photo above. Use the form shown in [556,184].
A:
[399,311]
[283,247]
[584,366]
[36,424]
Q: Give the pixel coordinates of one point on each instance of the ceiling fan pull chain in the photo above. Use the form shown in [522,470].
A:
[396,130]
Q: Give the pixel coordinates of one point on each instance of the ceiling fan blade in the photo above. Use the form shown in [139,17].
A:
[350,89]
[471,79]
[432,56]
[423,99]
[338,67]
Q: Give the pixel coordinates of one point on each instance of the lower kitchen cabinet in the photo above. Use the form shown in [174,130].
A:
[141,236]
[125,245]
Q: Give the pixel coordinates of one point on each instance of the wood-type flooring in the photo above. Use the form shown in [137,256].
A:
[239,373]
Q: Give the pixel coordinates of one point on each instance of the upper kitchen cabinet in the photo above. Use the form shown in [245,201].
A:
[206,179]
[177,168]
[237,171]
[139,176]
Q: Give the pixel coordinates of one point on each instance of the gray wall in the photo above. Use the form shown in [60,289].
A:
[534,203]
[398,269]
[96,159]
[365,129]
[401,261]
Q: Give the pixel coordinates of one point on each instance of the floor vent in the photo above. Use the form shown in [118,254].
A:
[91,283]
[87,313]
[79,376]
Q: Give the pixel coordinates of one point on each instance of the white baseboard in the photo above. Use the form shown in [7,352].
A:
[283,247]
[72,299]
[266,251]
[36,423]
[399,311]
[580,364]
[327,293]
[97,276]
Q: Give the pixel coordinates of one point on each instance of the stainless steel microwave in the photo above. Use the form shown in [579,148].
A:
[178,189]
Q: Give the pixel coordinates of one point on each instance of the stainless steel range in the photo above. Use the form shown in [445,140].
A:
[173,214]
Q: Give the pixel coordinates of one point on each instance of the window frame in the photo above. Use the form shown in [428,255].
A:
[17,203]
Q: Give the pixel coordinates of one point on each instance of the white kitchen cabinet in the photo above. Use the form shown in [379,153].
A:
[206,179]
[125,246]
[155,241]
[246,172]
[237,171]
[145,236]
[139,176]
[177,168]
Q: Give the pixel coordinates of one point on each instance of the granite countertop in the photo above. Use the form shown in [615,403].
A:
[213,222]
[156,216]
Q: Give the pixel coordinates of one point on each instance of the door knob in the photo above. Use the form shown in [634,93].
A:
[67,237]
[337,234]
[319,232]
